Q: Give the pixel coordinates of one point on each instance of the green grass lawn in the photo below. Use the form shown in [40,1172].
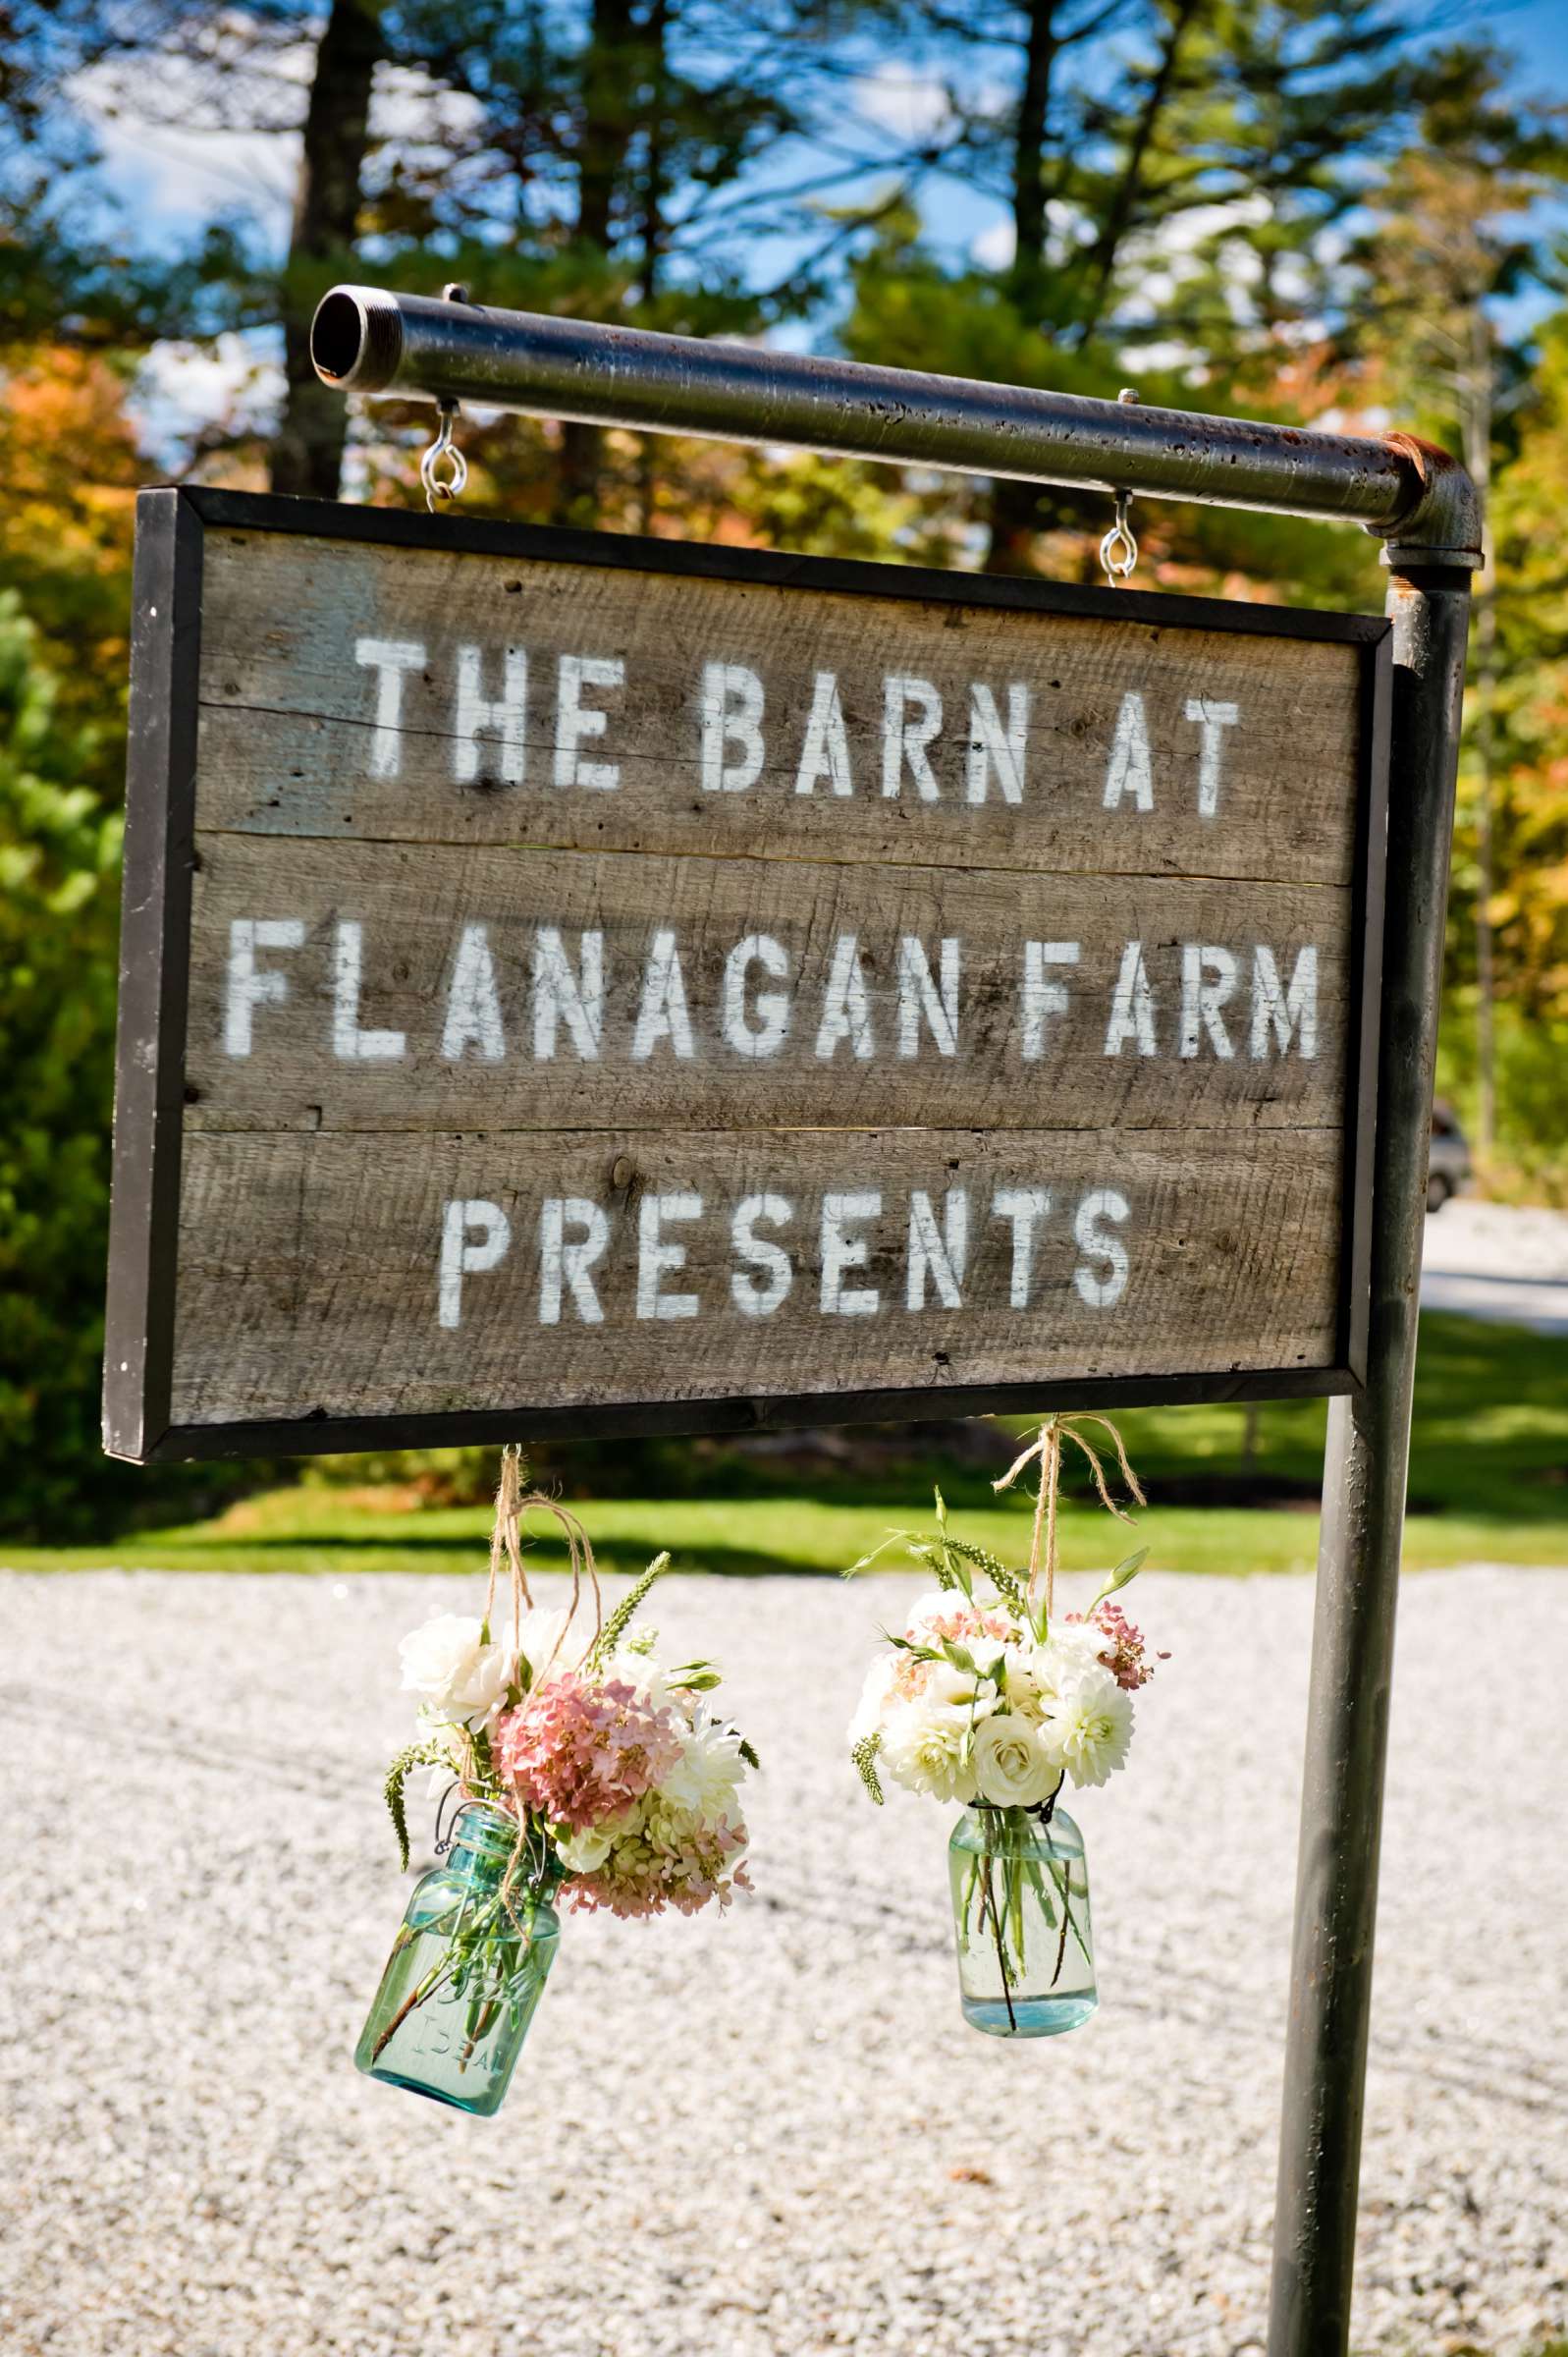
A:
[1489,1481]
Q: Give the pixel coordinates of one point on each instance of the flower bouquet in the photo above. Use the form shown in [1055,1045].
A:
[583,1767]
[990,1697]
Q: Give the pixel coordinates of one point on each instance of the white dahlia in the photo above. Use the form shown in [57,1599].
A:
[1088,1726]
[923,1747]
[706,1777]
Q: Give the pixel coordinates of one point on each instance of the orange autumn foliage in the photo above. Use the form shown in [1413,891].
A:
[71,464]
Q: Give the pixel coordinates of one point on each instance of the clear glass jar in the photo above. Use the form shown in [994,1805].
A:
[1020,1909]
[466,1970]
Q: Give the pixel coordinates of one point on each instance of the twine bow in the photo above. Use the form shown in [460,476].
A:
[1046,1449]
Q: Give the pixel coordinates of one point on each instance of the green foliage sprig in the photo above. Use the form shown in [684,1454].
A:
[424,1754]
[625,1612]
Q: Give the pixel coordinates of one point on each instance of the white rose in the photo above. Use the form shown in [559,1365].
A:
[585,1852]
[875,1696]
[923,1748]
[1071,1650]
[1088,1726]
[1012,1767]
[455,1674]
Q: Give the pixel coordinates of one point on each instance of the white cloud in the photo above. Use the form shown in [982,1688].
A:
[996,246]
[174,161]
[182,388]
[408,106]
[166,163]
[1165,258]
[1165,357]
[1185,232]
[910,105]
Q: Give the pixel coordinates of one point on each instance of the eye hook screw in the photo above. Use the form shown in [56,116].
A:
[443,469]
[444,454]
[1119,550]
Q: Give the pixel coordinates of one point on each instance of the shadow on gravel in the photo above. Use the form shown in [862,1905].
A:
[613,1553]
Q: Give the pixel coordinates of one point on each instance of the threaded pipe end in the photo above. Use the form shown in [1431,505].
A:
[356,339]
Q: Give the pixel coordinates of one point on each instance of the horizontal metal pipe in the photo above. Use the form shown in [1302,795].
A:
[367,340]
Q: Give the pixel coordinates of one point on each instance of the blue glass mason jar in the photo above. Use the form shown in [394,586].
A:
[468,1969]
[1020,1910]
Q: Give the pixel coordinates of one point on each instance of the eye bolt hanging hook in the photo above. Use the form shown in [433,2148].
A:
[1119,550]
[443,453]
[443,469]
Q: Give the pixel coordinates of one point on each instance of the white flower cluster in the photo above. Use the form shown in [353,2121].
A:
[1006,1731]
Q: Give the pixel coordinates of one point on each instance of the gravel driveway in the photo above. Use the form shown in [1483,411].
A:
[772,2132]
[1502,1262]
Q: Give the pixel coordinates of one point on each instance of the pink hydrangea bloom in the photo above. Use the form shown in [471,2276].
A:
[1128,1664]
[580,1752]
[671,1861]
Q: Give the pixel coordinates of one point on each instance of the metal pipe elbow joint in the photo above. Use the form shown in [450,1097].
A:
[1447,524]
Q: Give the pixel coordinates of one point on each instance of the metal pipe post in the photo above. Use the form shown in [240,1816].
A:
[1364,1508]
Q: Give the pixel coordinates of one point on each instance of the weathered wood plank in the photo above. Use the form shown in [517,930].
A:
[634,987]
[1030,1038]
[291,743]
[309,1269]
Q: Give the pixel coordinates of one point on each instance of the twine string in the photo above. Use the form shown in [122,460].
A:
[507,1543]
[1045,1449]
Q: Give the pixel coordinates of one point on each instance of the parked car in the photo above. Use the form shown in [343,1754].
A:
[1448,1165]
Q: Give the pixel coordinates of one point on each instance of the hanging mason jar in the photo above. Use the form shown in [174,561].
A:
[1020,1907]
[468,1969]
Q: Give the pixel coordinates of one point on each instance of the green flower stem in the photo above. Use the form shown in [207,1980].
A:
[474,1946]
[1069,1921]
[427,1988]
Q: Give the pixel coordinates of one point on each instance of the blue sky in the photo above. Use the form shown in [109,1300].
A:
[1540,32]
[172,180]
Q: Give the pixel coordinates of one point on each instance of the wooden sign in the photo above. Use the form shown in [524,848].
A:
[582,984]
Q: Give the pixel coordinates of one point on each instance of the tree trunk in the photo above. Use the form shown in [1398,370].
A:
[601,163]
[655,33]
[307,452]
[1123,210]
[1015,506]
